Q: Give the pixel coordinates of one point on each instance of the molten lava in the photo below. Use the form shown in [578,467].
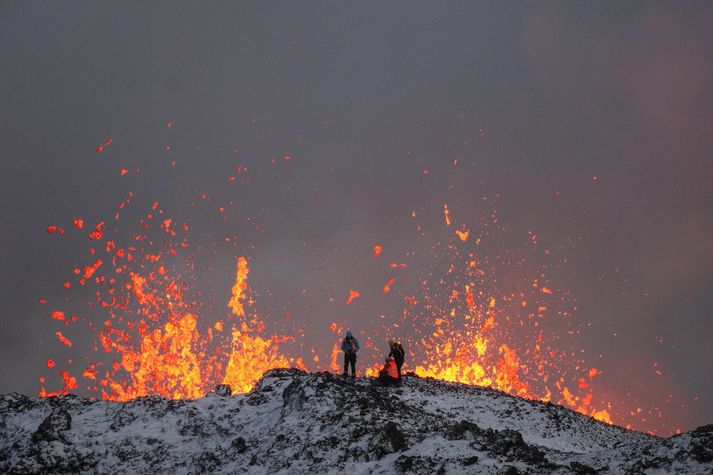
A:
[173,360]
[459,322]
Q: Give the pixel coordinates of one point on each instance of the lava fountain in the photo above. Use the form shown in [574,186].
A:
[463,322]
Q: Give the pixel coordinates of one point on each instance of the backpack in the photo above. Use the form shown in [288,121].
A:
[351,345]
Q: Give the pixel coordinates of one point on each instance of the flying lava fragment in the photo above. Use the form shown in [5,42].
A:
[352,295]
[377,250]
[101,147]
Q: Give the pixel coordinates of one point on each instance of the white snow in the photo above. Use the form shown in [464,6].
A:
[295,422]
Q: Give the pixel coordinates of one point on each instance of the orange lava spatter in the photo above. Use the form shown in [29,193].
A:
[172,360]
[462,324]
[473,332]
[155,341]
[159,346]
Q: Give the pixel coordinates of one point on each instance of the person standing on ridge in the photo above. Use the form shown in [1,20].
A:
[350,346]
[398,354]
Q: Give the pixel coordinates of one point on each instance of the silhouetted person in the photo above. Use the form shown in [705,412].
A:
[397,353]
[350,346]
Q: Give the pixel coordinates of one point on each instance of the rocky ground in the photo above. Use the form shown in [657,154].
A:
[295,422]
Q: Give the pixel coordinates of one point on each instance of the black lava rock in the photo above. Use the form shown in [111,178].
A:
[582,469]
[223,390]
[239,445]
[388,440]
[53,427]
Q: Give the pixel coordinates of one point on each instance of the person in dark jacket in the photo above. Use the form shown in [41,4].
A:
[397,353]
[350,346]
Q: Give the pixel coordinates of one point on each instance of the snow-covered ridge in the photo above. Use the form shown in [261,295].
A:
[296,422]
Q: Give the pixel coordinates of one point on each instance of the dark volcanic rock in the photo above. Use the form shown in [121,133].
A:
[239,445]
[462,429]
[299,423]
[581,469]
[293,397]
[388,440]
[701,446]
[223,390]
[53,426]
[509,444]
[414,464]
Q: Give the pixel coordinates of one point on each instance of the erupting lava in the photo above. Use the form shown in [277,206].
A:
[174,360]
[155,338]
[461,322]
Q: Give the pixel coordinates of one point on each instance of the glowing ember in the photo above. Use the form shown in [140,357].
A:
[461,323]
[98,232]
[101,148]
[235,303]
[90,270]
[162,351]
[164,364]
[481,336]
[377,250]
[250,357]
[352,295]
[63,339]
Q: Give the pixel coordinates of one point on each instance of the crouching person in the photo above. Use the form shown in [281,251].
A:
[397,351]
[389,375]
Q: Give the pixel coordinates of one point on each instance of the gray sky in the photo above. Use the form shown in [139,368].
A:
[532,99]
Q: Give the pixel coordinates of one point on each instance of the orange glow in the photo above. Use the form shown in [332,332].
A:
[101,148]
[98,232]
[89,373]
[250,357]
[235,303]
[333,365]
[165,364]
[377,250]
[352,295]
[461,323]
[474,341]
[70,383]
[63,339]
[171,359]
[90,270]
[462,235]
